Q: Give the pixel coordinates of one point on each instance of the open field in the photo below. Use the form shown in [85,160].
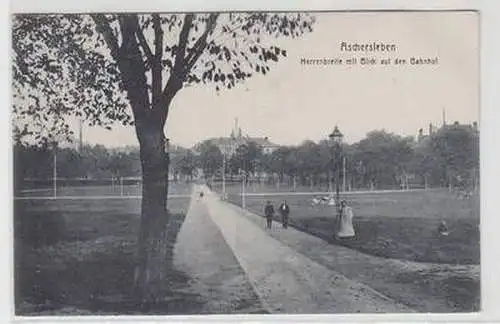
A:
[401,225]
[76,256]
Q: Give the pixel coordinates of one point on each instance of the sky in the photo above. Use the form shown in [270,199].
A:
[295,102]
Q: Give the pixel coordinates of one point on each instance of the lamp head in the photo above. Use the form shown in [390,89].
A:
[336,136]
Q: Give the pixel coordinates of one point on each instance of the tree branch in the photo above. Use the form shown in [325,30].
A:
[143,43]
[177,74]
[201,43]
[132,67]
[156,67]
[158,36]
[103,27]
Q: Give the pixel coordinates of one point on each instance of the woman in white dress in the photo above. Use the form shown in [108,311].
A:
[346,228]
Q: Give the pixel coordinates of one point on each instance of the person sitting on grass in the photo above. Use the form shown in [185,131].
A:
[443,229]
[284,211]
[269,212]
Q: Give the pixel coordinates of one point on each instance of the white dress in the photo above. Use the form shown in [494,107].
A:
[346,227]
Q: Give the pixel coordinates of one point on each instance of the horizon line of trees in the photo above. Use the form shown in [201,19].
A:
[447,158]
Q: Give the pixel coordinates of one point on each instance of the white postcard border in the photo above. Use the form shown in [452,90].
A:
[490,119]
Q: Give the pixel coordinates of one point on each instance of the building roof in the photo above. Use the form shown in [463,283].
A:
[262,141]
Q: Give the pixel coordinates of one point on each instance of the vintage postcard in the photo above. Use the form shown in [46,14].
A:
[246,162]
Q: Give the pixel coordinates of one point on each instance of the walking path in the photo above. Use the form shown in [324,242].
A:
[293,272]
[202,253]
[285,280]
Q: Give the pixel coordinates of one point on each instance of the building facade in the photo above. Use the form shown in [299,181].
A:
[228,145]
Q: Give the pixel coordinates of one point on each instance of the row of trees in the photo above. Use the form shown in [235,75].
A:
[448,157]
[92,162]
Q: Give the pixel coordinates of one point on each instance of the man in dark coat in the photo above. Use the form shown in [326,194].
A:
[284,211]
[269,212]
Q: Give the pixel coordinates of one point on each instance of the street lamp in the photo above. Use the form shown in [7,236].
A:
[335,141]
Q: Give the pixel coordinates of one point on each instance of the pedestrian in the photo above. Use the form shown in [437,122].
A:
[269,212]
[346,215]
[284,211]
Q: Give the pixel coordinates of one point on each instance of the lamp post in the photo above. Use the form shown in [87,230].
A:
[227,150]
[243,175]
[335,140]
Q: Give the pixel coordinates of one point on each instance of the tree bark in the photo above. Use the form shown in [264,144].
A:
[152,258]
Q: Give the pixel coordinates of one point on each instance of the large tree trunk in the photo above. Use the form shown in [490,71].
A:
[152,246]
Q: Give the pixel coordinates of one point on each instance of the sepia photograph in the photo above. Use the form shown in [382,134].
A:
[245,162]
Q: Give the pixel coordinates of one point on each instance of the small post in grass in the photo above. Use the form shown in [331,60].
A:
[224,175]
[243,180]
[243,203]
[54,171]
[121,186]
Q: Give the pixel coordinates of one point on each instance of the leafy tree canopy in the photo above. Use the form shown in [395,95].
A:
[98,66]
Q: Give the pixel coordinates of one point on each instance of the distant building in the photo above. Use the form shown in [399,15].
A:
[434,129]
[228,145]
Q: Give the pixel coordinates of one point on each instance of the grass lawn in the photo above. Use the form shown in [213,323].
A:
[76,257]
[400,225]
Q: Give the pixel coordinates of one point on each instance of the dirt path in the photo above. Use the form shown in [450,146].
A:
[287,281]
[202,253]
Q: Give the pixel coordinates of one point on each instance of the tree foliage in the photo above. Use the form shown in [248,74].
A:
[380,160]
[96,66]
[92,162]
[246,158]
[59,74]
[450,156]
[209,158]
[385,157]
